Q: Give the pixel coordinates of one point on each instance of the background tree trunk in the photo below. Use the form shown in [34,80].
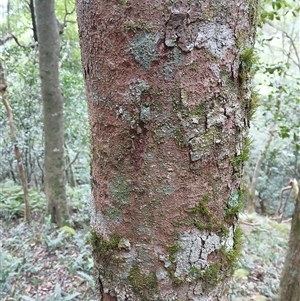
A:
[48,37]
[168,87]
[290,280]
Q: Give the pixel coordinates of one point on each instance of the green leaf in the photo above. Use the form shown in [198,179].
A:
[71,296]
[57,291]
[27,298]
[241,273]
[87,277]
[68,229]
[284,132]
[295,137]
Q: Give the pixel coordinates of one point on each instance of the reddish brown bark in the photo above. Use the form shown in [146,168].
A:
[169,100]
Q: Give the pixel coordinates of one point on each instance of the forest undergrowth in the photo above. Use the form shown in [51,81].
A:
[41,262]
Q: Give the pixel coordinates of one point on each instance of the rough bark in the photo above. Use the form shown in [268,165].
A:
[290,280]
[169,98]
[48,37]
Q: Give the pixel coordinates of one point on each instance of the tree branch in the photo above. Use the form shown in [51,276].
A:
[11,36]
[75,158]
[290,38]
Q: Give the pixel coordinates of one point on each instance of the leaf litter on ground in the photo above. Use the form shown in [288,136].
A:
[42,262]
[257,275]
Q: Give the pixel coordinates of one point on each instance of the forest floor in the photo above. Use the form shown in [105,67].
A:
[40,262]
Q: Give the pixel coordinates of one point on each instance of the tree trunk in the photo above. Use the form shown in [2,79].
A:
[48,38]
[33,20]
[290,280]
[168,88]
[69,168]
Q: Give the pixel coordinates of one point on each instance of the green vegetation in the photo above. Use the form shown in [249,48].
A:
[240,159]
[103,246]
[69,253]
[21,69]
[254,104]
[31,254]
[120,191]
[211,276]
[143,283]
[232,256]
[201,217]
[248,58]
[172,250]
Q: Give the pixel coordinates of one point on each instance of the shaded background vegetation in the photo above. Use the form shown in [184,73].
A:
[21,65]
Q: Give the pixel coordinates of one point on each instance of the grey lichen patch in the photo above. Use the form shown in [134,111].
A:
[195,248]
[98,220]
[184,96]
[188,32]
[167,70]
[216,117]
[201,127]
[175,59]
[233,199]
[119,190]
[201,146]
[228,243]
[121,112]
[145,114]
[166,189]
[124,243]
[167,130]
[161,274]
[99,99]
[234,204]
[134,93]
[143,48]
[176,56]
[136,88]
[148,157]
[191,258]
[214,37]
